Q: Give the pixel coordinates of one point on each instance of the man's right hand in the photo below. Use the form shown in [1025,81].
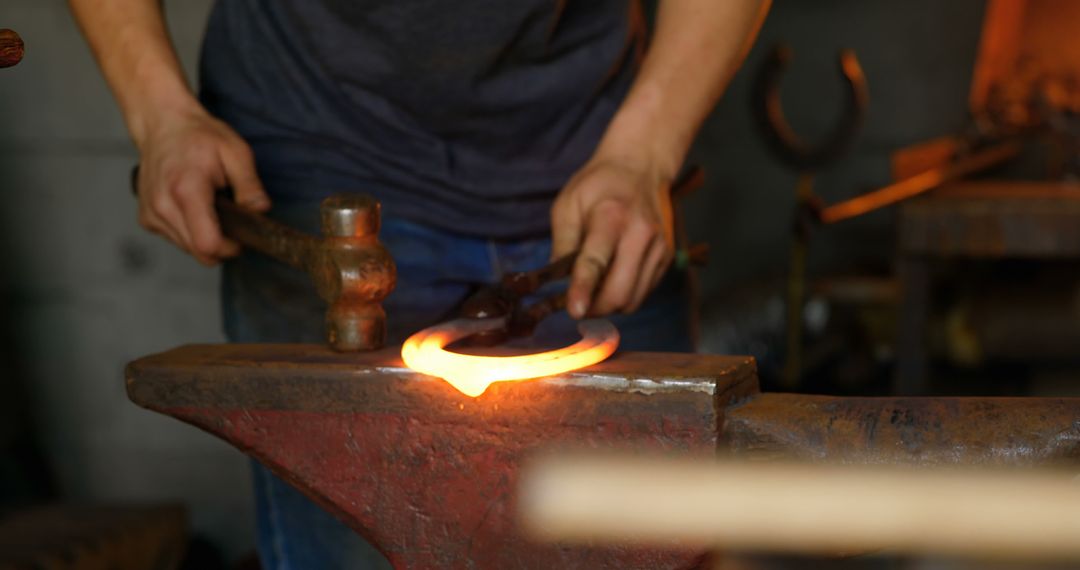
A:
[186,155]
[185,158]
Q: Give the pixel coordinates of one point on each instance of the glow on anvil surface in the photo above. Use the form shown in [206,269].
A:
[472,374]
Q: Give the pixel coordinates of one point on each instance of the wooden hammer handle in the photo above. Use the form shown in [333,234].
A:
[256,231]
[803,508]
[11,48]
[260,233]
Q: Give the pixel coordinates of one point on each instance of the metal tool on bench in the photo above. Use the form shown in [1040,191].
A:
[350,268]
[806,159]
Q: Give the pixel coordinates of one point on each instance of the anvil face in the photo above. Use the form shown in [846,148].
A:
[424,472]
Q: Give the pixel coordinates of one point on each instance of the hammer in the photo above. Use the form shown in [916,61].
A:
[352,271]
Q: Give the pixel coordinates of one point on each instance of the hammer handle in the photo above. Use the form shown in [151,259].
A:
[803,508]
[257,232]
[11,48]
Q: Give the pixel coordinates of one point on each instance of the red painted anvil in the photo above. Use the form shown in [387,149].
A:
[428,474]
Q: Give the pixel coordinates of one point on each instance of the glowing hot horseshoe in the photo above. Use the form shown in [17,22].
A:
[471,374]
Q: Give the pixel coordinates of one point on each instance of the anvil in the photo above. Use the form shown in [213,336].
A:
[428,475]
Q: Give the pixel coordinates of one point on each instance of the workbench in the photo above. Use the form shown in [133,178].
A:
[980,220]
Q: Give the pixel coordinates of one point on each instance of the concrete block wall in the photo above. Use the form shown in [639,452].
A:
[88,290]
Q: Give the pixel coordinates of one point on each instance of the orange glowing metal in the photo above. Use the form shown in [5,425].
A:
[472,374]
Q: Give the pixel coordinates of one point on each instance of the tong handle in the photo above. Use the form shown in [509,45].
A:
[527,282]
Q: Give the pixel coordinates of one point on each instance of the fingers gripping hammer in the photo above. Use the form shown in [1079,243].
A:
[352,271]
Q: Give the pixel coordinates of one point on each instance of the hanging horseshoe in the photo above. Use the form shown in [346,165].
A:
[806,159]
[782,139]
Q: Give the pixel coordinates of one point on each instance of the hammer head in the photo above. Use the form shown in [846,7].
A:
[353,272]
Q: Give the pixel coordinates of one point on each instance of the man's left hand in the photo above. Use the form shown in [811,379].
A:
[618,212]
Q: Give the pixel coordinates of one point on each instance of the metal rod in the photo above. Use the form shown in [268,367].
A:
[796,283]
[920,183]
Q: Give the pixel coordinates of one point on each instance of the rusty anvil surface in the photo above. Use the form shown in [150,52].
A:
[428,474]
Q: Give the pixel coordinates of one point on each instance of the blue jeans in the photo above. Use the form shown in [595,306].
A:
[266,301]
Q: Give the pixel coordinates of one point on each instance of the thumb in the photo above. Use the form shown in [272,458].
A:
[239,165]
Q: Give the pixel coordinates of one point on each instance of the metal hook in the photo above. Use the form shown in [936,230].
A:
[781,138]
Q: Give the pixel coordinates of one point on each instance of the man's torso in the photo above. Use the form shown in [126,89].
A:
[465,115]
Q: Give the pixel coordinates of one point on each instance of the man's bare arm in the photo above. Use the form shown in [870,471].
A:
[617,209]
[185,153]
[697,48]
[131,44]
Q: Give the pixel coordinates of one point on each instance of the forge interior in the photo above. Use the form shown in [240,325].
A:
[954,273]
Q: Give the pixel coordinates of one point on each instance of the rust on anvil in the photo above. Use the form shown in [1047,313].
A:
[11,48]
[923,432]
[424,472]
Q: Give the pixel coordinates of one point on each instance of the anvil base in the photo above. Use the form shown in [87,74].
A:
[425,473]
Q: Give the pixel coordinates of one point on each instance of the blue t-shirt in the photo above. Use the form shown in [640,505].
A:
[467,116]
